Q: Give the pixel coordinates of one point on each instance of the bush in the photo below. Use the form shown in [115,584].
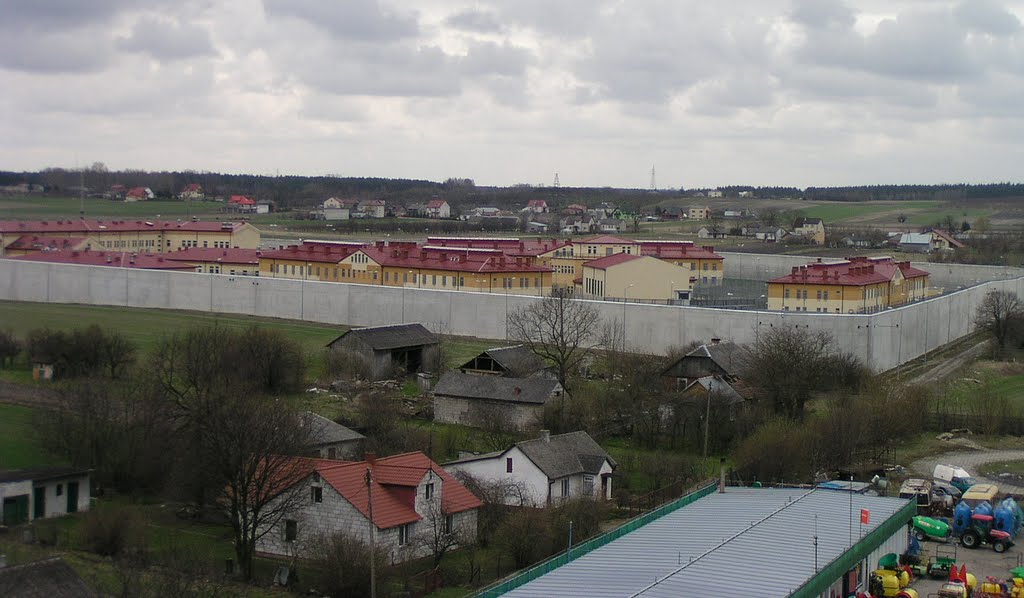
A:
[112,531]
[348,364]
[778,451]
[10,347]
[344,564]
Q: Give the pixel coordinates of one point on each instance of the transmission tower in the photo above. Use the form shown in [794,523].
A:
[556,183]
[654,187]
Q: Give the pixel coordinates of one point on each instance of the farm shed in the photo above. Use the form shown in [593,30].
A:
[406,347]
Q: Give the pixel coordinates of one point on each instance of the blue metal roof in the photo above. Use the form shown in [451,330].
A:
[743,542]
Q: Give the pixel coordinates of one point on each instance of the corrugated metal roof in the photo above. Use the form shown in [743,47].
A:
[744,542]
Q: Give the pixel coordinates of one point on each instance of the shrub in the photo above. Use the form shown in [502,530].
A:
[112,531]
[344,564]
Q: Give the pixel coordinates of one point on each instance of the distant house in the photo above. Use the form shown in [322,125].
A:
[733,214]
[331,202]
[722,359]
[373,208]
[331,440]
[414,501]
[943,241]
[474,400]
[537,206]
[48,578]
[610,225]
[544,471]
[916,242]
[810,228]
[575,209]
[326,213]
[855,241]
[698,213]
[577,224]
[517,361]
[717,388]
[768,234]
[715,193]
[387,349]
[706,232]
[138,194]
[40,492]
[486,212]
[536,227]
[192,192]
[438,208]
[747,194]
[674,213]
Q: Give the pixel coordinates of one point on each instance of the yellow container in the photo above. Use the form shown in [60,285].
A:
[907,593]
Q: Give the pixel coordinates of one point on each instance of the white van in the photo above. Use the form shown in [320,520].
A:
[955,476]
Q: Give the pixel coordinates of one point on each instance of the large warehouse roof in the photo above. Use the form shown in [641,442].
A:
[743,542]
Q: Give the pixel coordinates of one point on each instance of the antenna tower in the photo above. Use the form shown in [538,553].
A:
[556,183]
[654,187]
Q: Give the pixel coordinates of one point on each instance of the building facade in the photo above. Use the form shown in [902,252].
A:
[858,285]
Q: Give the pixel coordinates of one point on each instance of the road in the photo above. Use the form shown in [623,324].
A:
[972,460]
[943,368]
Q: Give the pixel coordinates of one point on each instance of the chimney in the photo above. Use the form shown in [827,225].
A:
[545,435]
[370,458]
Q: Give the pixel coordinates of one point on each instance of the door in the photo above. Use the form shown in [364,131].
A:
[39,502]
[72,497]
[15,509]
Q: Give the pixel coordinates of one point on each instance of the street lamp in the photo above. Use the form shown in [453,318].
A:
[625,294]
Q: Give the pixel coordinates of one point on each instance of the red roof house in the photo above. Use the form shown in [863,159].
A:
[413,499]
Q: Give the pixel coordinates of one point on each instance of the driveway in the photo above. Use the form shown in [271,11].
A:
[972,462]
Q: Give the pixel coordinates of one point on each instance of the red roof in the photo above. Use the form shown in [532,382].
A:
[192,187]
[856,271]
[411,256]
[93,225]
[508,246]
[537,203]
[137,192]
[612,260]
[607,240]
[314,251]
[954,243]
[241,200]
[116,259]
[436,203]
[395,480]
[39,243]
[677,250]
[212,254]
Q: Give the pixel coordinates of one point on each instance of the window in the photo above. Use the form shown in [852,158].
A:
[608,251]
[428,491]
[588,485]
[434,280]
[693,265]
[508,464]
[403,534]
[449,524]
[705,266]
[60,489]
[316,494]
[565,486]
[786,293]
[291,530]
[819,295]
[826,295]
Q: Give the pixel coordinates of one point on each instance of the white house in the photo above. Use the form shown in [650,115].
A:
[715,193]
[39,492]
[438,208]
[537,206]
[544,471]
[415,502]
[331,202]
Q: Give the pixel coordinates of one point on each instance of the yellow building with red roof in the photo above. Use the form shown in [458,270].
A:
[856,285]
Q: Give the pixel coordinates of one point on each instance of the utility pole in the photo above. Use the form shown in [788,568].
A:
[373,534]
[707,416]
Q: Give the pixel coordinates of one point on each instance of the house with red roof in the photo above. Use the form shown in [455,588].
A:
[372,208]
[438,208]
[414,502]
[138,194]
[192,192]
[537,206]
[855,285]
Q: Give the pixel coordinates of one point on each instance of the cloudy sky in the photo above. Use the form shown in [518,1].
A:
[764,92]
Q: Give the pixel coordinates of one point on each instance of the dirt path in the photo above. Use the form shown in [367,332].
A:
[945,367]
[28,396]
[972,460]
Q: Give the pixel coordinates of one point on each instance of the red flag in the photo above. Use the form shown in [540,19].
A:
[865,517]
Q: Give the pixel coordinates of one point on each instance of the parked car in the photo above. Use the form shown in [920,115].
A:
[955,476]
[945,496]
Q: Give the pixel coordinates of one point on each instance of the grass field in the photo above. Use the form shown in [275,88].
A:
[69,207]
[19,443]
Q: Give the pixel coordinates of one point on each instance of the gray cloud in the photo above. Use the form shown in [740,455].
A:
[58,52]
[365,20]
[59,14]
[474,20]
[167,40]
[987,16]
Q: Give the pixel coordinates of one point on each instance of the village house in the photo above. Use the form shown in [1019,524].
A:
[41,492]
[438,208]
[857,285]
[393,349]
[192,192]
[698,213]
[372,208]
[544,471]
[575,209]
[493,401]
[717,358]
[577,224]
[537,206]
[711,232]
[810,228]
[715,193]
[331,440]
[768,234]
[414,502]
[943,241]
[517,361]
[331,202]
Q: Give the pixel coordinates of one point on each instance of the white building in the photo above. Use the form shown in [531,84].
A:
[546,470]
[36,493]
[414,502]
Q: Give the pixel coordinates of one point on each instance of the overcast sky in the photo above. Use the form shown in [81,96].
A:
[763,92]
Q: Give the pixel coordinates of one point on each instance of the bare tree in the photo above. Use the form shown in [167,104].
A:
[10,347]
[1001,313]
[559,328]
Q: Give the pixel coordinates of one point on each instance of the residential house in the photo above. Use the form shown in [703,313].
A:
[916,242]
[544,471]
[40,492]
[438,208]
[698,213]
[577,224]
[810,228]
[857,241]
[192,192]
[372,208]
[331,440]
[746,194]
[733,214]
[857,285]
[708,232]
[154,236]
[674,213]
[610,225]
[485,212]
[574,209]
[138,194]
[407,348]
[715,193]
[475,400]
[47,578]
[715,359]
[331,203]
[240,204]
[943,241]
[537,228]
[627,277]
[768,234]
[537,206]
[517,361]
[414,502]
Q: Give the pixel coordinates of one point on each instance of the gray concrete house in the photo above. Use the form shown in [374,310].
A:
[516,361]
[331,440]
[390,349]
[475,400]
[39,492]
[545,470]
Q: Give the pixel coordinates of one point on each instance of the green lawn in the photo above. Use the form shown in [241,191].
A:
[836,213]
[27,208]
[19,442]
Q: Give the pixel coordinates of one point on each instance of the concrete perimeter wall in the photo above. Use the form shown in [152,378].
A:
[882,340]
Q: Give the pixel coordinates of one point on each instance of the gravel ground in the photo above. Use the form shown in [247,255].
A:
[983,562]
[972,462]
